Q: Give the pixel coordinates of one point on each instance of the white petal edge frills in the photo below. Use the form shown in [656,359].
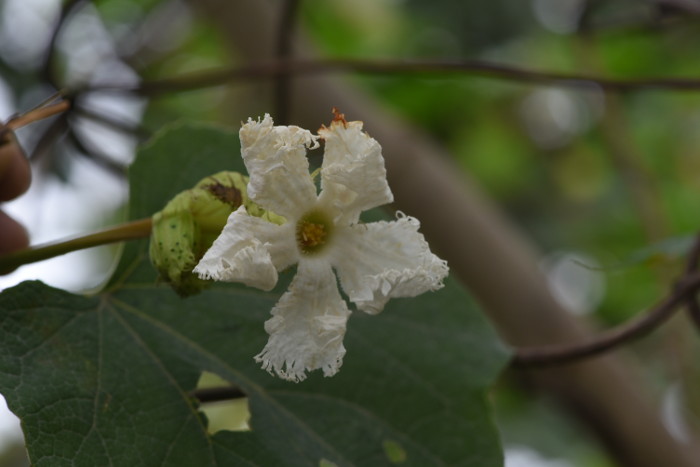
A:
[307,325]
[383,260]
[275,157]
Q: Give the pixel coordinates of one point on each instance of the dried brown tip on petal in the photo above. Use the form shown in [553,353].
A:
[339,117]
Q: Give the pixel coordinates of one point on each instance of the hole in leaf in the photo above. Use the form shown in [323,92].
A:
[231,414]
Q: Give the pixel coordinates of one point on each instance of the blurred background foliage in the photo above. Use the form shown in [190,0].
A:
[596,180]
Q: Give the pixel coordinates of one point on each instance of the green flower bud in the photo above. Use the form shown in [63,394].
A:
[188,225]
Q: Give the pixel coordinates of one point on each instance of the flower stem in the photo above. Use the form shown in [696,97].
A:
[131,230]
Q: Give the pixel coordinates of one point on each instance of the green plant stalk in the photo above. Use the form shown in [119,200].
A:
[128,231]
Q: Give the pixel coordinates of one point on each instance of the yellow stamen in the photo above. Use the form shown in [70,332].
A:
[312,232]
[311,235]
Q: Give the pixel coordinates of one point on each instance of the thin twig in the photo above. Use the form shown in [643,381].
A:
[37,114]
[96,155]
[68,8]
[50,136]
[115,123]
[204,79]
[559,354]
[217,394]
[692,267]
[283,80]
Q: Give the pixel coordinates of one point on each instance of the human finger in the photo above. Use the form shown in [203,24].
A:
[13,236]
[15,173]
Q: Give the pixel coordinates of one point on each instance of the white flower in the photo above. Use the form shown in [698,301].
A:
[374,262]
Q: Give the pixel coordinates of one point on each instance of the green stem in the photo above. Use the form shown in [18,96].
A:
[131,230]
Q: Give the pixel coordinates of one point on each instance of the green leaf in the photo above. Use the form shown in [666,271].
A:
[105,379]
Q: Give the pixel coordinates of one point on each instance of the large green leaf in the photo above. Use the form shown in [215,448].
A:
[104,379]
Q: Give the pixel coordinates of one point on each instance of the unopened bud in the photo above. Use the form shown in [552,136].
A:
[188,225]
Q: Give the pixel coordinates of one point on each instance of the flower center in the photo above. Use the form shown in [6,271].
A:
[313,230]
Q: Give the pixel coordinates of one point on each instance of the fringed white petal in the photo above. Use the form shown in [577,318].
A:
[275,157]
[381,260]
[353,176]
[374,262]
[249,250]
[307,326]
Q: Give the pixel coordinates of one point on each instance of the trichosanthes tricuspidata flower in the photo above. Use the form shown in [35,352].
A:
[323,236]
